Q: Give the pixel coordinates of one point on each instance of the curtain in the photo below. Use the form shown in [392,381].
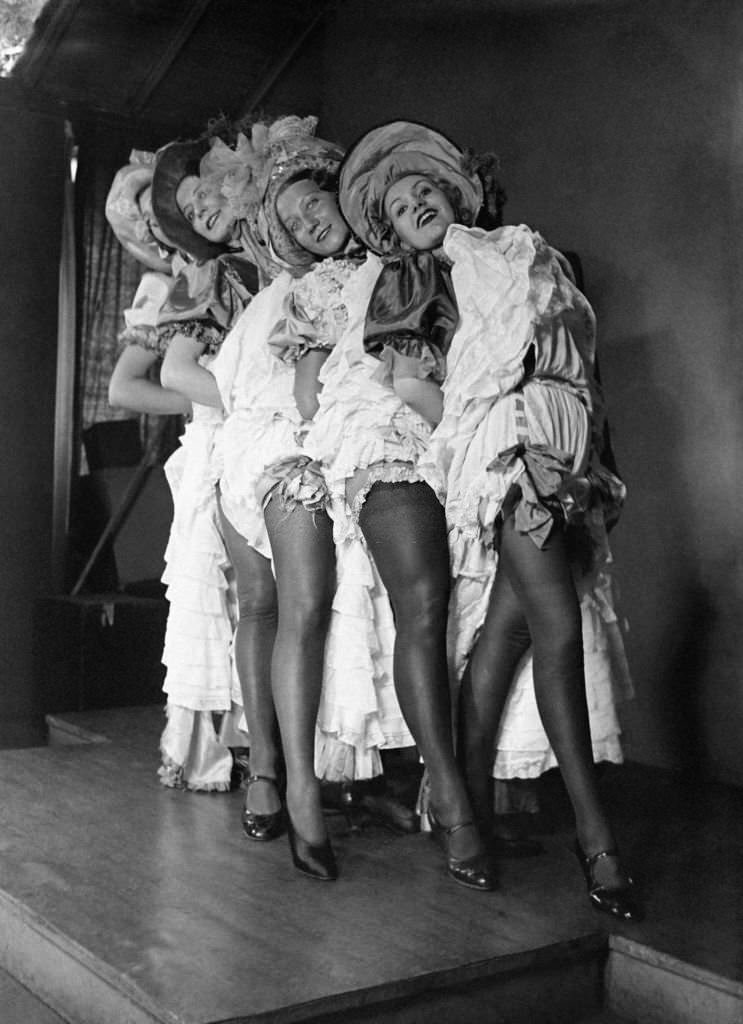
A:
[107,280]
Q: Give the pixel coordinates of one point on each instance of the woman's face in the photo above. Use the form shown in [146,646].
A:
[419,212]
[205,209]
[312,218]
[145,205]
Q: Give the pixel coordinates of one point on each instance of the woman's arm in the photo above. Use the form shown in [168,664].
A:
[182,372]
[131,388]
[424,396]
[306,383]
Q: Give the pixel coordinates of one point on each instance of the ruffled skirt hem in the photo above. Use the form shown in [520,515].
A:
[192,756]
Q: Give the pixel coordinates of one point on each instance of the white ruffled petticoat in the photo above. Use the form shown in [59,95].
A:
[199,677]
[358,711]
[522,750]
[513,300]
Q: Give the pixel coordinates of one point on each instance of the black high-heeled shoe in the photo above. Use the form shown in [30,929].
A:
[262,827]
[312,860]
[474,872]
[619,901]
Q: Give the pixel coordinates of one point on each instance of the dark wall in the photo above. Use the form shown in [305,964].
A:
[620,129]
[31,172]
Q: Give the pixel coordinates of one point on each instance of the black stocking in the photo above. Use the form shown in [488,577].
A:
[541,581]
[405,529]
[253,648]
[304,561]
[485,686]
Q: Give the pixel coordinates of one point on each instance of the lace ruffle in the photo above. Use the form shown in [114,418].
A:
[210,335]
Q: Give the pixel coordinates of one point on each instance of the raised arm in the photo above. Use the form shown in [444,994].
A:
[182,372]
[424,396]
[131,386]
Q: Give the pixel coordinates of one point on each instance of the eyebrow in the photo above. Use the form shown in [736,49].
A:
[416,183]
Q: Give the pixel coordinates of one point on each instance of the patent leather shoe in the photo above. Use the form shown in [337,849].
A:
[315,861]
[473,872]
[618,901]
[262,827]
[387,810]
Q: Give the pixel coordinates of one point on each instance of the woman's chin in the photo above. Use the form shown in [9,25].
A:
[331,245]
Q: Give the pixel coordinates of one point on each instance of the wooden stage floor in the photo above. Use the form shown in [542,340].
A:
[121,900]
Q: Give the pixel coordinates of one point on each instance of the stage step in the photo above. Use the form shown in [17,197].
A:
[651,987]
[554,984]
[605,1017]
[122,902]
[19,1006]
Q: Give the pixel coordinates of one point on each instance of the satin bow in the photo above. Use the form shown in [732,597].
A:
[547,474]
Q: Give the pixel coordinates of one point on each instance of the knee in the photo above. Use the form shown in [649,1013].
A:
[422,608]
[561,641]
[257,603]
[307,613]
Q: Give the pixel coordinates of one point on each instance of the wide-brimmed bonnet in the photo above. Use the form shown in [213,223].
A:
[388,153]
[125,215]
[175,162]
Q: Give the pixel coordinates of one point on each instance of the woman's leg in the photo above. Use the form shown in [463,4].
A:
[405,528]
[253,647]
[543,582]
[486,683]
[304,560]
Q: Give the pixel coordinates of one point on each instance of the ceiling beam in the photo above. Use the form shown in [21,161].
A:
[270,78]
[190,20]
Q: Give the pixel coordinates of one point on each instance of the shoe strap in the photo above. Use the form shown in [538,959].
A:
[457,828]
[260,778]
[596,857]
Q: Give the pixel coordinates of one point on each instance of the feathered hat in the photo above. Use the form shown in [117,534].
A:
[292,149]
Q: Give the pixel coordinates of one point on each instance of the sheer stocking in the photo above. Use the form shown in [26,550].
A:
[253,647]
[405,529]
[539,583]
[304,561]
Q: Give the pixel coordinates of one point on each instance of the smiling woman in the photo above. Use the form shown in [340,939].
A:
[419,211]
[205,209]
[184,205]
[310,213]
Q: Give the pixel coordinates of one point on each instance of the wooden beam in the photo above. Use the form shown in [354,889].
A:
[190,20]
[279,67]
[52,24]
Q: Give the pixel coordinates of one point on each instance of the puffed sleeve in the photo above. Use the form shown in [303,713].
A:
[297,332]
[142,317]
[314,311]
[412,316]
